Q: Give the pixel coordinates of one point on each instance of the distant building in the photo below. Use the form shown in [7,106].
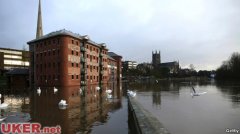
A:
[144,66]
[13,58]
[156,62]
[172,66]
[118,59]
[18,77]
[129,65]
[156,58]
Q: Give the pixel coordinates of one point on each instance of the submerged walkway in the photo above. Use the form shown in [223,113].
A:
[144,121]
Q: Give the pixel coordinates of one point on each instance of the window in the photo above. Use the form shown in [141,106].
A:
[76,53]
[76,64]
[72,64]
[72,52]
[90,68]
[72,41]
[90,48]
[72,76]
[76,76]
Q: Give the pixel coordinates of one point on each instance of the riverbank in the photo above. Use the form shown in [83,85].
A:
[142,121]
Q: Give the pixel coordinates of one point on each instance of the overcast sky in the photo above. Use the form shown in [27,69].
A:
[199,32]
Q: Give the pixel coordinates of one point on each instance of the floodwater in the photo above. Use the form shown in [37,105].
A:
[216,112]
[92,111]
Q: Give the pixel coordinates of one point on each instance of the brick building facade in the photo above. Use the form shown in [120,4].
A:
[63,58]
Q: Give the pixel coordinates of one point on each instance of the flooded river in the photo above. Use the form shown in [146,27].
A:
[215,112]
[92,111]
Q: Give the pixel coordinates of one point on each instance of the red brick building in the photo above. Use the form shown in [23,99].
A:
[63,58]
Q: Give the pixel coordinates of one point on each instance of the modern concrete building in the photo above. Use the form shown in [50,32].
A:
[129,65]
[13,58]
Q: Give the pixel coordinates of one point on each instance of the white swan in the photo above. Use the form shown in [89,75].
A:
[62,103]
[131,93]
[55,89]
[97,88]
[194,93]
[109,91]
[39,90]
[2,105]
[2,119]
[109,96]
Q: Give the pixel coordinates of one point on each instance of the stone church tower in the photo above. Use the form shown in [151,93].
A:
[156,58]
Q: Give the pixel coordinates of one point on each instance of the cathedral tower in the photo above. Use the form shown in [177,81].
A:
[156,58]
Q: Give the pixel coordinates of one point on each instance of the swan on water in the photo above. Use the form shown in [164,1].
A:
[39,90]
[97,88]
[62,103]
[194,93]
[2,119]
[2,105]
[109,91]
[55,89]
[131,93]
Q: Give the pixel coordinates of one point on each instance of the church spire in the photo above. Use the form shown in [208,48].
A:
[39,22]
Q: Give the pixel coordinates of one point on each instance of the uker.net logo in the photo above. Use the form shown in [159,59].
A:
[28,128]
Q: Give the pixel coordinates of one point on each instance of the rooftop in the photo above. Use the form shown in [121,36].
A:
[112,54]
[65,32]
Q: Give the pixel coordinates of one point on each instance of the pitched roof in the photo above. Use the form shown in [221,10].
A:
[109,57]
[64,32]
[112,54]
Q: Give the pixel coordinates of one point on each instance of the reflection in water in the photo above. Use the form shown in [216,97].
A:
[174,106]
[82,112]
[230,90]
[156,98]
